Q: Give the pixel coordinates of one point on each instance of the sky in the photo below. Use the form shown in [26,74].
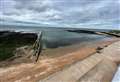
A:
[62,13]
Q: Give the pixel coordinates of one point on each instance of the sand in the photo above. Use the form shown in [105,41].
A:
[33,72]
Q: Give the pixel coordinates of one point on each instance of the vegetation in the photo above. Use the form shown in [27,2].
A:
[12,41]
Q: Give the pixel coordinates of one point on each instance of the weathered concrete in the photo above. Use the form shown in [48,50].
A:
[112,52]
[103,72]
[99,67]
[76,71]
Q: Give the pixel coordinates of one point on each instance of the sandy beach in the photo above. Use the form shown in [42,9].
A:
[33,72]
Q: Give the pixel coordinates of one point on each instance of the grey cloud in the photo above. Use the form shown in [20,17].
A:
[62,11]
[108,10]
[35,5]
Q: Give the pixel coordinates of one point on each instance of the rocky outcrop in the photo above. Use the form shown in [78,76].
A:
[82,31]
[17,36]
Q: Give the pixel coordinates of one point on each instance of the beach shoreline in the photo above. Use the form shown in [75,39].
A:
[55,52]
[43,67]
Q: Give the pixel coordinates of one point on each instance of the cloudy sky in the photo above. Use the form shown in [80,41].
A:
[61,13]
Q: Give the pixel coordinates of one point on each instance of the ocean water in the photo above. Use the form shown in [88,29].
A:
[53,39]
[56,37]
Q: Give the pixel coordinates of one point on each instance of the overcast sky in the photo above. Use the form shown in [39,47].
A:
[62,13]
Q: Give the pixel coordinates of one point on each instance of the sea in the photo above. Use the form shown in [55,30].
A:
[54,37]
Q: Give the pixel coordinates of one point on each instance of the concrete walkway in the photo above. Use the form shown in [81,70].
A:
[99,67]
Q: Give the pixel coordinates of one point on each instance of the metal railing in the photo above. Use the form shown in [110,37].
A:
[37,46]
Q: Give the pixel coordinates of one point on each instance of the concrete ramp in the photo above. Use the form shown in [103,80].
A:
[103,72]
[76,71]
[99,67]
